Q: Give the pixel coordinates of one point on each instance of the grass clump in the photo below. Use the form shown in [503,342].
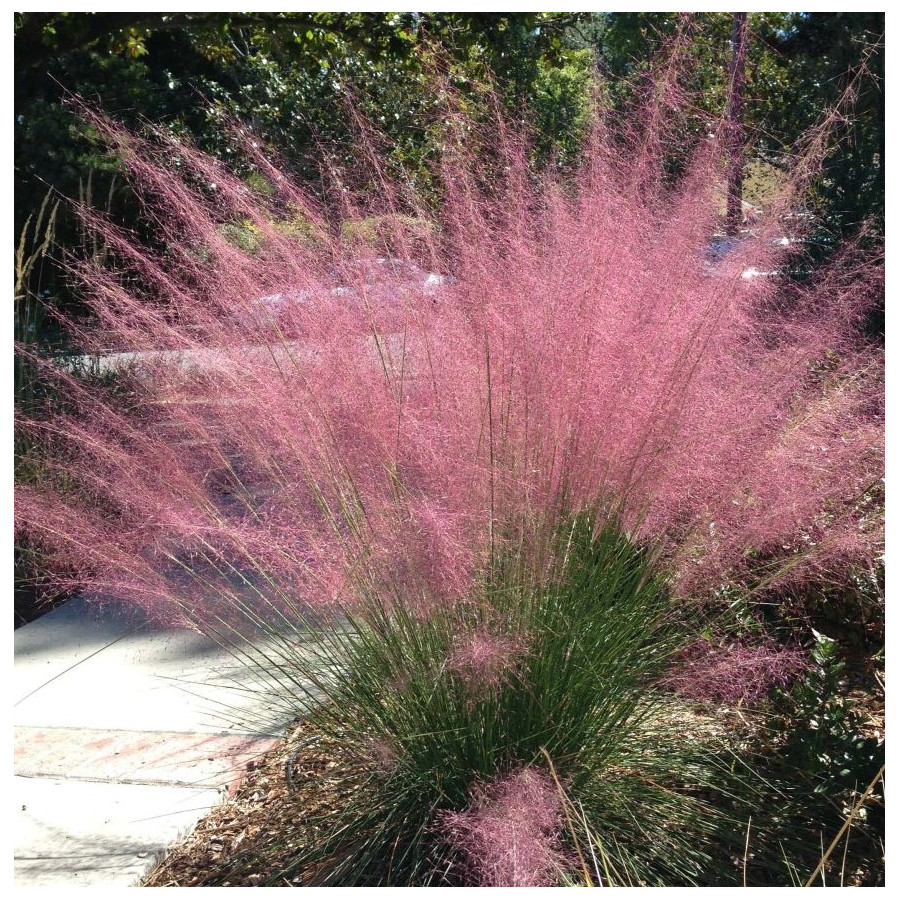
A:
[559,665]
[496,738]
[404,485]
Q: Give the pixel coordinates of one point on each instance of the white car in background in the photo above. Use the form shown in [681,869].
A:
[383,281]
[717,252]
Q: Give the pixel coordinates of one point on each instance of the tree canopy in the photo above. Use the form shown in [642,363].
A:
[287,76]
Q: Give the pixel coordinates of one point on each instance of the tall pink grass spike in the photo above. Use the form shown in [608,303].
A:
[303,406]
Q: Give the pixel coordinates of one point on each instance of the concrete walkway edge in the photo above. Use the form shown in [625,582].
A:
[126,735]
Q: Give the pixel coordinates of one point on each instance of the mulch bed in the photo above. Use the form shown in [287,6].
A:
[251,839]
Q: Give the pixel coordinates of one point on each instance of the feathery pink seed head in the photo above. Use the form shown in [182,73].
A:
[483,659]
[735,672]
[510,834]
[310,417]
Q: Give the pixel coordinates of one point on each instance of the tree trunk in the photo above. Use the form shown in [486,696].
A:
[735,125]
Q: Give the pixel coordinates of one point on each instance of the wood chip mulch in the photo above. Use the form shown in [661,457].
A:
[251,838]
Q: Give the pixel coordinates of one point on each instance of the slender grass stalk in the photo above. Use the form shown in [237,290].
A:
[565,805]
[844,828]
[747,849]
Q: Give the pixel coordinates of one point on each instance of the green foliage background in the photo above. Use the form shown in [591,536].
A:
[286,75]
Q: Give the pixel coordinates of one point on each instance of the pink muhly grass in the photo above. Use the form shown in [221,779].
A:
[483,659]
[733,672]
[301,429]
[510,835]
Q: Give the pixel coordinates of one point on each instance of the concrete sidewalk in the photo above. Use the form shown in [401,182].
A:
[126,734]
